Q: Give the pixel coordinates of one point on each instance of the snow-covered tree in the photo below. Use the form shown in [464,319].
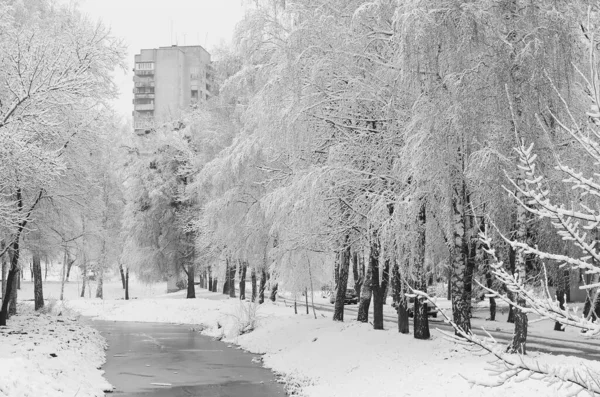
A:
[575,222]
[55,70]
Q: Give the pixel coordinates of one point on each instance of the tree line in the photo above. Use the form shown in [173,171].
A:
[387,140]
[56,190]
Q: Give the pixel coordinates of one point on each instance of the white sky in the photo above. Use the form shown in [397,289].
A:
[147,24]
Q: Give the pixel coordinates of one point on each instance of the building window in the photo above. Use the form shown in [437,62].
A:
[194,72]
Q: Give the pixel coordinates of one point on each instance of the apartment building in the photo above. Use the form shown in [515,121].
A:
[167,80]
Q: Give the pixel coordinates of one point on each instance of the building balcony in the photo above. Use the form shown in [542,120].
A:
[139,72]
[143,95]
[144,107]
[143,123]
[141,84]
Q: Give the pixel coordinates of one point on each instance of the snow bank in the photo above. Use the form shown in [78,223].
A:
[320,357]
[48,355]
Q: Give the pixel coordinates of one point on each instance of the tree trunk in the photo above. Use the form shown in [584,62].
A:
[515,92]
[215,284]
[226,283]
[376,286]
[12,308]
[519,341]
[122,274]
[273,296]
[306,299]
[490,283]
[14,260]
[210,279]
[449,284]
[232,280]
[69,265]
[19,281]
[46,268]
[336,271]
[560,296]
[191,289]
[243,268]
[365,295]
[253,278]
[510,295]
[460,307]
[420,310]
[342,281]
[127,285]
[83,277]
[63,274]
[263,285]
[489,277]
[400,300]
[100,285]
[380,295]
[559,282]
[421,318]
[470,260]
[358,271]
[4,267]
[13,273]
[312,291]
[38,292]
[403,321]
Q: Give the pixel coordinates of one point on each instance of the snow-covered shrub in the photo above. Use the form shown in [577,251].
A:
[245,318]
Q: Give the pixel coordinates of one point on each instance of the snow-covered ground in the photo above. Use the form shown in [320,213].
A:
[318,357]
[112,290]
[57,355]
[47,355]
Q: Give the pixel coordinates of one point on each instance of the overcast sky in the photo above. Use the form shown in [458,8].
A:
[157,23]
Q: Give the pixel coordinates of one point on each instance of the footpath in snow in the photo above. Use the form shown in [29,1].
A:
[319,357]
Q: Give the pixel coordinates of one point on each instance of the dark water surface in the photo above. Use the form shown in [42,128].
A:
[189,364]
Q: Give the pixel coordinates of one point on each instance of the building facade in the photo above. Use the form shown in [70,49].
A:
[167,80]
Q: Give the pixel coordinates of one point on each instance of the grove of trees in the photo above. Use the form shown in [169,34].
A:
[390,140]
[56,186]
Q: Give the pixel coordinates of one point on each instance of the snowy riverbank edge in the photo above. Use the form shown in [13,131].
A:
[50,355]
[324,358]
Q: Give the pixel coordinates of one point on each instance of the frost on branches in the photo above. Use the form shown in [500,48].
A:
[577,224]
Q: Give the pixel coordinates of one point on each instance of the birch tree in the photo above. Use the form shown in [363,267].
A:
[575,222]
